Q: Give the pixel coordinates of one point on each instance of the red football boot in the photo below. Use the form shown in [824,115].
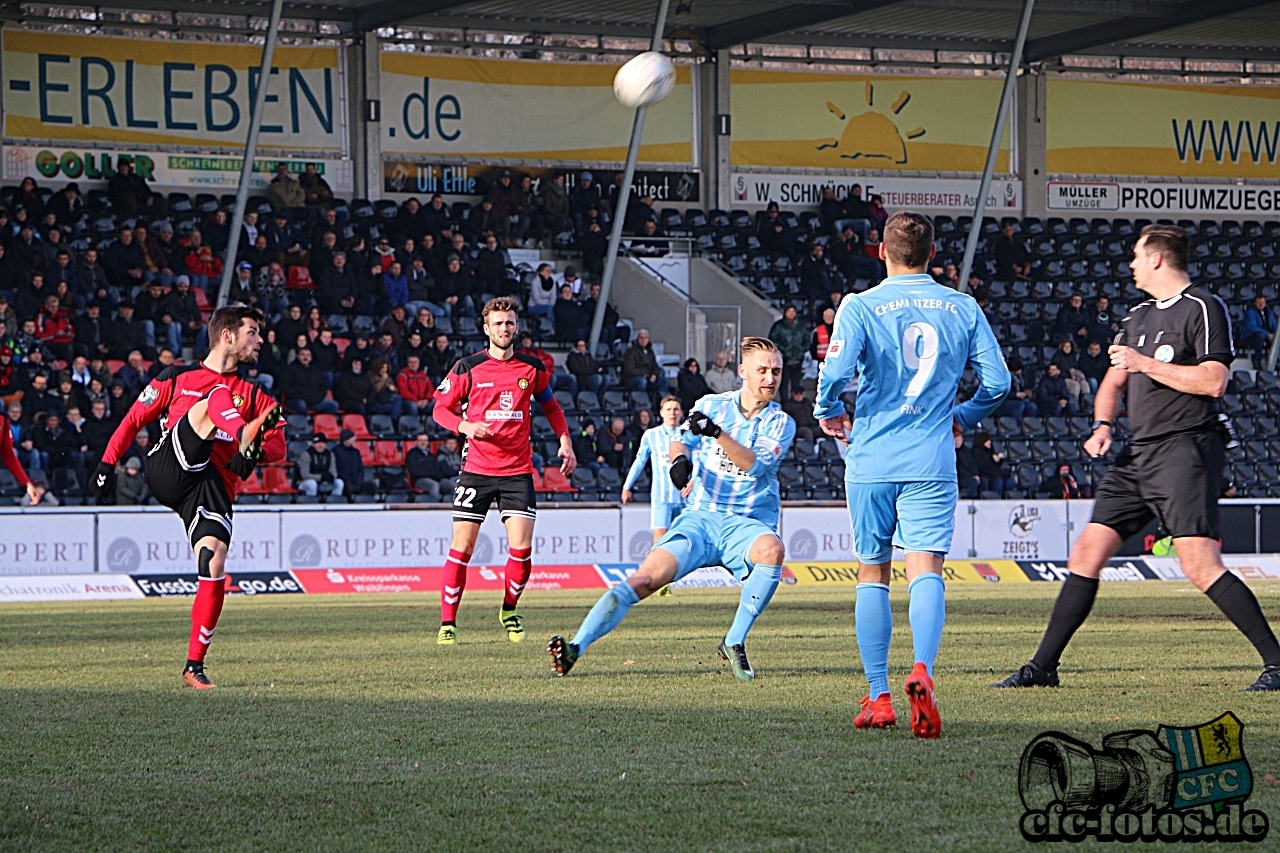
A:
[925,721]
[876,713]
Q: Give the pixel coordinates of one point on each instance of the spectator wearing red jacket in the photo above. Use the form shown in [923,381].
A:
[54,329]
[202,265]
[414,386]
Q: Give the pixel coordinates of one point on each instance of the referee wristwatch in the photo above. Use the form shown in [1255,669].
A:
[1097,424]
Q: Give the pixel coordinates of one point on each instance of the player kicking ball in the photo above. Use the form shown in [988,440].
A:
[1173,361]
[217,428]
[665,500]
[737,441]
[909,340]
[486,398]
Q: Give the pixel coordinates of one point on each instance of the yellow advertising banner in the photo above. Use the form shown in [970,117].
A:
[844,121]
[959,571]
[155,91]
[509,109]
[1168,131]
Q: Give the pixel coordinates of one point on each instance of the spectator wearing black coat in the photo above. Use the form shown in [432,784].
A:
[1073,321]
[571,319]
[993,474]
[966,470]
[1103,323]
[353,389]
[428,474]
[801,410]
[590,373]
[124,262]
[1061,485]
[691,385]
[1094,364]
[129,194]
[441,356]
[126,334]
[1012,260]
[349,464]
[302,387]
[1052,397]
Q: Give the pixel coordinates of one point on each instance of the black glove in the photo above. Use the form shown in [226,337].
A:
[104,481]
[700,424]
[681,471]
[242,466]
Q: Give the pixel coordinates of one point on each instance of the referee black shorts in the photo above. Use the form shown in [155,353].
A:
[181,477]
[475,493]
[1176,480]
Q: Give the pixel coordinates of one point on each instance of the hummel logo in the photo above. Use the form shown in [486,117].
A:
[451,599]
[102,480]
[206,635]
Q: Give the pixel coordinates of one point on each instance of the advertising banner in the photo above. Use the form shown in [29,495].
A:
[757,189]
[67,588]
[242,583]
[1100,198]
[824,534]
[846,121]
[157,91]
[349,539]
[637,536]
[613,574]
[1250,567]
[1020,530]
[423,177]
[155,543]
[1115,570]
[199,172]
[428,579]
[1097,128]
[512,109]
[958,571]
[36,543]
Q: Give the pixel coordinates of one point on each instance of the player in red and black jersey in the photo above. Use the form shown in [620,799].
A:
[9,458]
[486,398]
[217,428]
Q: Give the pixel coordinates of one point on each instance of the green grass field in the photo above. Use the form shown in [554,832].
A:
[338,724]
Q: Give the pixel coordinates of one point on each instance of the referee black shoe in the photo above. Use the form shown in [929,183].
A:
[1030,675]
[1268,681]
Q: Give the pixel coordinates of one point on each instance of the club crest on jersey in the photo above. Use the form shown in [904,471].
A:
[507,400]
[237,400]
[148,396]
[523,383]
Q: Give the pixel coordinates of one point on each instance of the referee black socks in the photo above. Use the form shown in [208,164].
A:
[1069,612]
[1240,605]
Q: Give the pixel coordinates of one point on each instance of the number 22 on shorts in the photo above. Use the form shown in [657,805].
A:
[464,496]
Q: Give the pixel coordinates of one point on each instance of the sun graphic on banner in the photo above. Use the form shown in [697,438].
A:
[872,135]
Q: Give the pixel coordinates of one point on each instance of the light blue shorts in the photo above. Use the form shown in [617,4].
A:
[699,538]
[663,515]
[917,517]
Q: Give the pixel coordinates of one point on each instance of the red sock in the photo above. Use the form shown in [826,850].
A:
[223,411]
[205,611]
[452,581]
[518,569]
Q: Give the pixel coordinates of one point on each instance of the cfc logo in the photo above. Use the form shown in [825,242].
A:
[523,383]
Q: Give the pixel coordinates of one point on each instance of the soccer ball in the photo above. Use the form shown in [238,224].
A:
[645,80]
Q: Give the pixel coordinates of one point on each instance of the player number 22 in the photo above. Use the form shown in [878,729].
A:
[919,353]
[464,496]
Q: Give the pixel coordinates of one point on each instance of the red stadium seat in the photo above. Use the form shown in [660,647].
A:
[538,485]
[366,454]
[556,481]
[299,279]
[275,481]
[356,424]
[387,454]
[252,486]
[327,424]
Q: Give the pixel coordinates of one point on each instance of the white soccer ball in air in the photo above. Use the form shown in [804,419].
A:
[645,80]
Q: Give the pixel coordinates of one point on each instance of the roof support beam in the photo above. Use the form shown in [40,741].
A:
[386,13]
[782,20]
[1121,29]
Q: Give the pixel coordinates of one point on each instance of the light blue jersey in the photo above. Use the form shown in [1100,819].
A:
[655,444]
[909,340]
[721,486]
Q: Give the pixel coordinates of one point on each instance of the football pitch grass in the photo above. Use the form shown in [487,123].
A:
[338,724]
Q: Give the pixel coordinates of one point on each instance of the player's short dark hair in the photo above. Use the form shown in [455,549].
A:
[908,239]
[231,317]
[500,303]
[751,344]
[1173,244]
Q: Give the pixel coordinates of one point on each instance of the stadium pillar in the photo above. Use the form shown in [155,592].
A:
[724,191]
[371,72]
[1032,144]
[993,150]
[624,194]
[707,142]
[250,151]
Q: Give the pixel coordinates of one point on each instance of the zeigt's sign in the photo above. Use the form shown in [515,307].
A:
[156,91]
[1020,530]
[52,164]
[1164,198]
[757,189]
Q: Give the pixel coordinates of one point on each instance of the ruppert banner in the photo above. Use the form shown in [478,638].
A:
[156,91]
[512,109]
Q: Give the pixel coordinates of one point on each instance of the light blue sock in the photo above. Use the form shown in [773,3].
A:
[873,622]
[927,613]
[756,592]
[605,615]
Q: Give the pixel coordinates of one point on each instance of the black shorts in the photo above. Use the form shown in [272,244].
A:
[1175,480]
[477,492]
[181,477]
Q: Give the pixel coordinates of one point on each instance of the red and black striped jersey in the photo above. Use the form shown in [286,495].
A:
[499,393]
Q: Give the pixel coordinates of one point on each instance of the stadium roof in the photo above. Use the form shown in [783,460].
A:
[1199,29]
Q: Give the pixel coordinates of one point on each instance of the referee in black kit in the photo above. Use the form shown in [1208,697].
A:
[1174,354]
